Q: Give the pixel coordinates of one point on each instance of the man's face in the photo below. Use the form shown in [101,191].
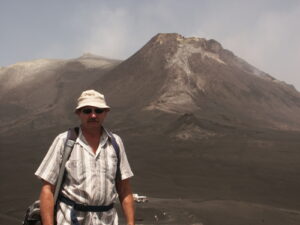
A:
[92,117]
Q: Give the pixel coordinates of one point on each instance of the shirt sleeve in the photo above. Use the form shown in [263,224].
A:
[49,168]
[125,169]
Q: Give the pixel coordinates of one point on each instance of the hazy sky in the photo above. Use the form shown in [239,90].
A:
[264,33]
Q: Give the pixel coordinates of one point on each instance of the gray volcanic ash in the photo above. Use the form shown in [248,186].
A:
[173,74]
[201,127]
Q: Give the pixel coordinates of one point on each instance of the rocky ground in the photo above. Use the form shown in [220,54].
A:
[236,181]
[212,212]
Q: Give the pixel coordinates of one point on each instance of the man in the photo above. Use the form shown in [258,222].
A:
[90,171]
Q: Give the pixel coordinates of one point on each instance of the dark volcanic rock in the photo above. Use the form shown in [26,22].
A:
[170,74]
[173,74]
[198,122]
[44,91]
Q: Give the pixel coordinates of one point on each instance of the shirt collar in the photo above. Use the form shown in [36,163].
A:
[82,141]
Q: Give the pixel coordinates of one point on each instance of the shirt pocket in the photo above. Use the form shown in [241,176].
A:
[112,161]
[76,170]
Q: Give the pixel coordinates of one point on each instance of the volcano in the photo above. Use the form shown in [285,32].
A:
[198,123]
[178,75]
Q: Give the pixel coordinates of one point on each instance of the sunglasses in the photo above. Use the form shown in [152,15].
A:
[90,110]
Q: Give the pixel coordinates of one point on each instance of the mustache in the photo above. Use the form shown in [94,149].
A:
[92,120]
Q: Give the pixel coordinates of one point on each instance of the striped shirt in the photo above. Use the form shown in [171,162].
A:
[90,177]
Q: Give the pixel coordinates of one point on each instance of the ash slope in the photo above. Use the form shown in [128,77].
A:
[169,77]
[178,75]
[198,122]
[39,94]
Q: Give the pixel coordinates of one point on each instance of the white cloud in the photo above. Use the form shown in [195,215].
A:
[265,33]
[108,33]
[271,44]
[267,38]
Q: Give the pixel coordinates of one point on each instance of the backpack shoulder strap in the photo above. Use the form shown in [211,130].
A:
[70,141]
[73,133]
[117,151]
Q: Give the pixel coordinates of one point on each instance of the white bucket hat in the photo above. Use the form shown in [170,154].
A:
[91,98]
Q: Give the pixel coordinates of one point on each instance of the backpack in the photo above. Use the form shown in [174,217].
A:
[32,215]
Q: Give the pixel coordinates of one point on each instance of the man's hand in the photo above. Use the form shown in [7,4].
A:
[47,203]
[126,199]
